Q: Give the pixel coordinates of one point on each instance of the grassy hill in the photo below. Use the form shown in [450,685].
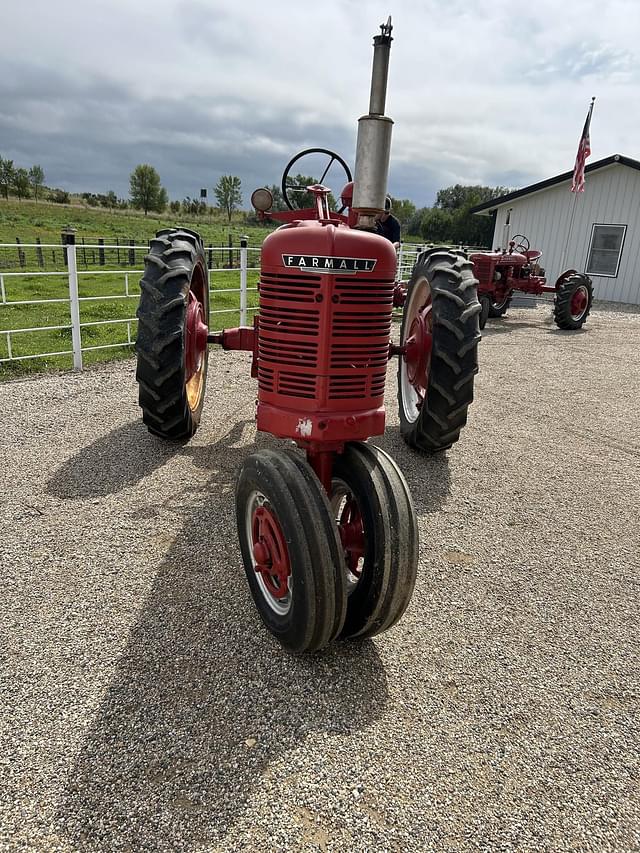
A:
[28,220]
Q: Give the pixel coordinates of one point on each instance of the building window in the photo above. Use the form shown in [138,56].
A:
[605,250]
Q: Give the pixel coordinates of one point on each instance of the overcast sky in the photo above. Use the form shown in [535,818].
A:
[489,92]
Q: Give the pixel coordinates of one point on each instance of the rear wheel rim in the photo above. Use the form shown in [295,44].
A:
[196,332]
[418,342]
[269,553]
[579,302]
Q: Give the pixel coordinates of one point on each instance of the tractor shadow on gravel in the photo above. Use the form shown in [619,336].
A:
[114,462]
[428,477]
[498,326]
[203,702]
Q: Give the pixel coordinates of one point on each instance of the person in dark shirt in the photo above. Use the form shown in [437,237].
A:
[387,225]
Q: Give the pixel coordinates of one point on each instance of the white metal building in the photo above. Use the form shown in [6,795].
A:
[603,239]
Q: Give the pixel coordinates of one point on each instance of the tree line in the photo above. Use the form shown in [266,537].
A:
[22,182]
[448,221]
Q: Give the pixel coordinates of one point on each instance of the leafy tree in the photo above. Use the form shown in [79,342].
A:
[302,200]
[36,179]
[7,173]
[145,189]
[59,196]
[458,196]
[403,209]
[278,201]
[174,207]
[21,183]
[162,201]
[111,199]
[436,225]
[228,192]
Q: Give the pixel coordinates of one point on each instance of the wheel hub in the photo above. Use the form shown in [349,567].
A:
[196,336]
[579,302]
[270,552]
[417,355]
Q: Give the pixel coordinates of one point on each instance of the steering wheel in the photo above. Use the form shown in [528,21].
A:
[521,244]
[291,188]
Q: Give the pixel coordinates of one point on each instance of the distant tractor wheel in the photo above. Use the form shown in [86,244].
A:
[171,344]
[291,552]
[439,335]
[499,309]
[376,520]
[573,301]
[485,308]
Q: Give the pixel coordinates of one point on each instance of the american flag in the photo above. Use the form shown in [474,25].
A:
[584,149]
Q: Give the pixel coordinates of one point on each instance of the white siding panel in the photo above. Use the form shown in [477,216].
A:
[612,197]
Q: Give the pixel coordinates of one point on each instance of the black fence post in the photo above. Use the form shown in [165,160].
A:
[100,251]
[210,257]
[118,249]
[132,253]
[21,256]
[39,254]
[230,251]
[63,240]
[84,254]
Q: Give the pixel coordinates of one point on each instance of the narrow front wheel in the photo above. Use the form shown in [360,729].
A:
[290,548]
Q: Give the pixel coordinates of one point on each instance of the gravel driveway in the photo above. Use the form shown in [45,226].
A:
[145,708]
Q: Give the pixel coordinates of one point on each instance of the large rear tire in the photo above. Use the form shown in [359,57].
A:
[573,301]
[374,511]
[171,344]
[291,552]
[440,332]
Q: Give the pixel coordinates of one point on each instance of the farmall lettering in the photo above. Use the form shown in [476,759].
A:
[327,531]
[324,264]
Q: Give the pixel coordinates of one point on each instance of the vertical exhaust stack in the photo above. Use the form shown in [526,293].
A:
[505,231]
[373,148]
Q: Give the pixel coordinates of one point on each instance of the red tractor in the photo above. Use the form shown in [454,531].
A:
[327,531]
[501,273]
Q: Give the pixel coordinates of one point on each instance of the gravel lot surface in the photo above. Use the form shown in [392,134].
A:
[145,708]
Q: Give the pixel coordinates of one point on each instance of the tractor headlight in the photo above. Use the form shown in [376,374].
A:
[261,199]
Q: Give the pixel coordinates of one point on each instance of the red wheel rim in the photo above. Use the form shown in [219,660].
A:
[418,343]
[346,511]
[270,553]
[196,332]
[351,530]
[579,302]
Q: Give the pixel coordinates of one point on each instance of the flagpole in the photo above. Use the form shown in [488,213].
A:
[585,136]
[565,251]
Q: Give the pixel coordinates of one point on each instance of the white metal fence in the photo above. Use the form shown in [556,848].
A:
[10,284]
[10,281]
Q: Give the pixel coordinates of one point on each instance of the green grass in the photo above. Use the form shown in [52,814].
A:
[28,220]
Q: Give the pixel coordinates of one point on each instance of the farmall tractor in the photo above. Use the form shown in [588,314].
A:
[327,531]
[500,273]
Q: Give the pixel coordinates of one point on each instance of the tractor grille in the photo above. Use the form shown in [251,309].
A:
[297,385]
[370,292]
[482,267]
[348,324]
[289,288]
[288,352]
[292,321]
[298,357]
[359,355]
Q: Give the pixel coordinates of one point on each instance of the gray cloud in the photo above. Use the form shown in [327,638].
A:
[479,95]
